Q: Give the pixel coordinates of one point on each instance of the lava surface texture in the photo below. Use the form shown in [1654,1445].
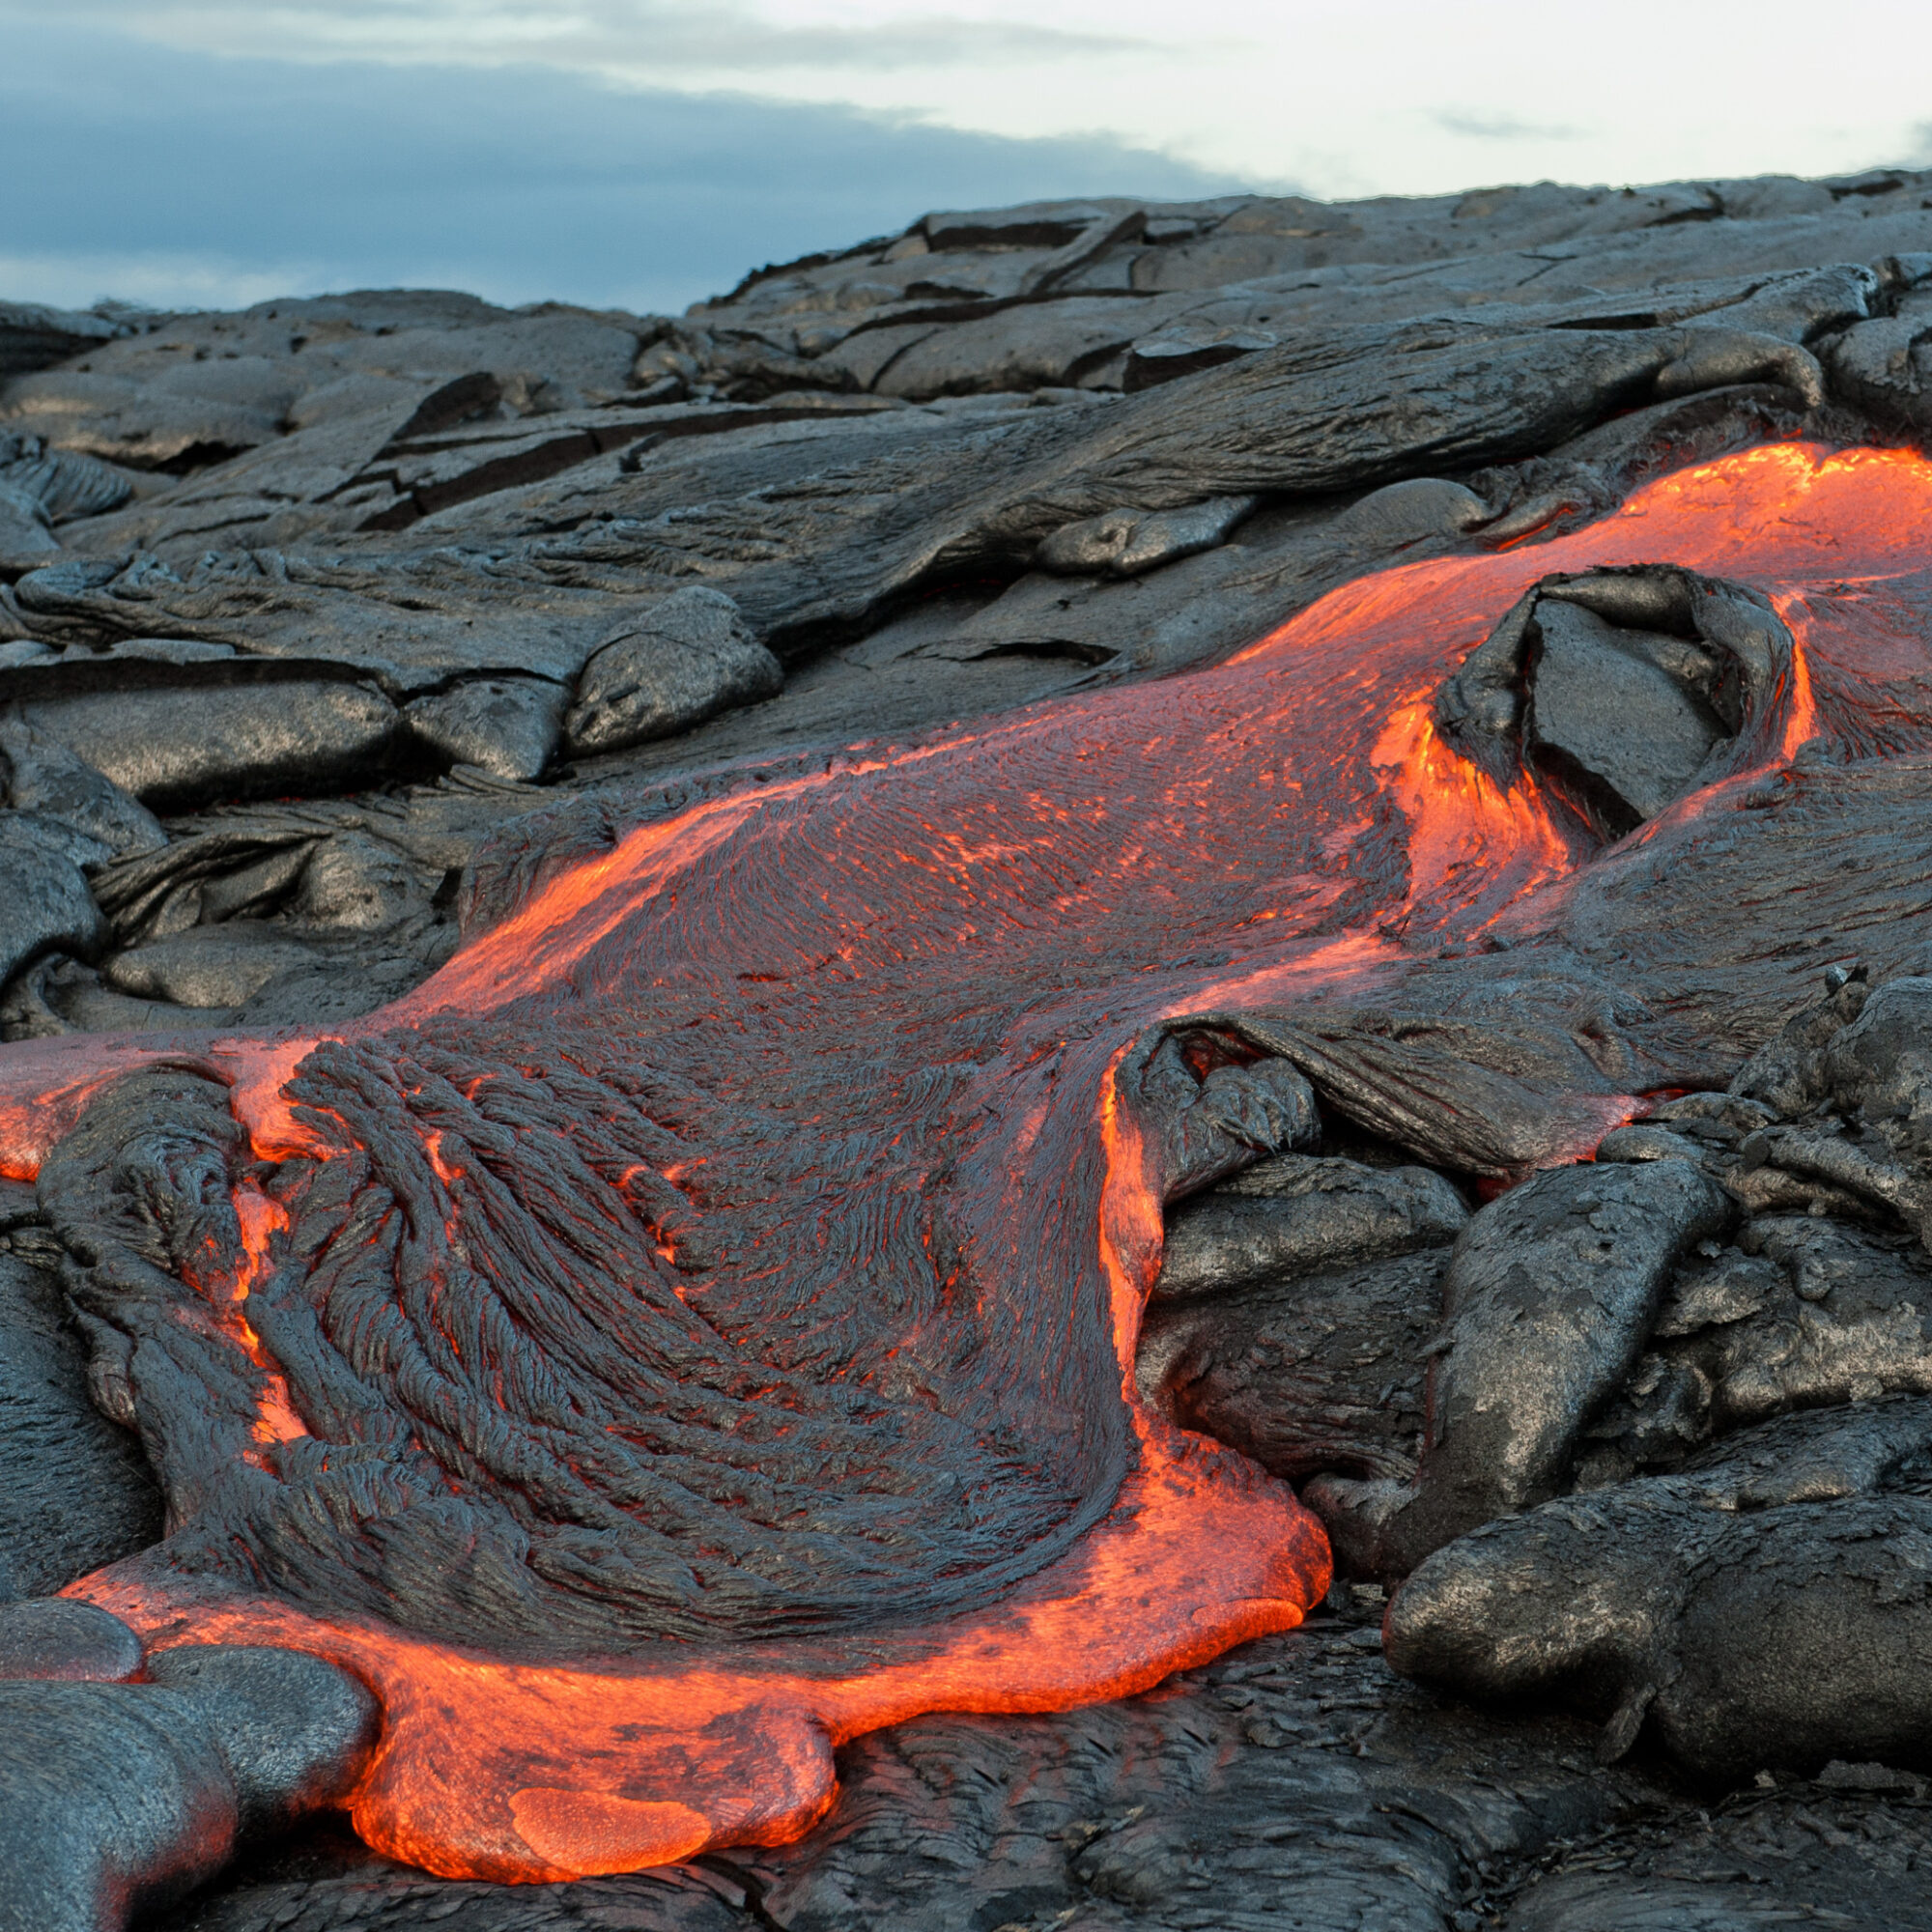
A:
[697,1325]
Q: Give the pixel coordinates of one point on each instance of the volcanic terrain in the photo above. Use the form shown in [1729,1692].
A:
[1077,1073]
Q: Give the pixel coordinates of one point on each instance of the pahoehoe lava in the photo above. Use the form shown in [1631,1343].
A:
[569,1309]
[713,1308]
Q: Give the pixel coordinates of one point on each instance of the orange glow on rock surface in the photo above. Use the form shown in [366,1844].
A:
[1264,833]
[618,1768]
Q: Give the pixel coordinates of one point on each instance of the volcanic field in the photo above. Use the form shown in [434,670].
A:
[1077,1073]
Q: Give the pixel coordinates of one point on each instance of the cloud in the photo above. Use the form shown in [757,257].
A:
[634,38]
[176,177]
[1504,127]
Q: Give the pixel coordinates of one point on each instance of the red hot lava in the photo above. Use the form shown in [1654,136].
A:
[697,1325]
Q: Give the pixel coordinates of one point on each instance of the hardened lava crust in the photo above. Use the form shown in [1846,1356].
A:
[1078,1072]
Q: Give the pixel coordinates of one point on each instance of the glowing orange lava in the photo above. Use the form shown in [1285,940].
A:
[1255,834]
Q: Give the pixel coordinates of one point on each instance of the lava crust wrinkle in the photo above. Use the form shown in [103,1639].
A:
[698,1324]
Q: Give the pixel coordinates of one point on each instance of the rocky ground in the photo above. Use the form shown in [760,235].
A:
[300,607]
[1296,1784]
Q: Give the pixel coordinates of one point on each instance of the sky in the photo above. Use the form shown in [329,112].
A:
[643,154]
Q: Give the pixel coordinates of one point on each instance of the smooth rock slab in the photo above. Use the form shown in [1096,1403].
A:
[56,1639]
[207,965]
[185,744]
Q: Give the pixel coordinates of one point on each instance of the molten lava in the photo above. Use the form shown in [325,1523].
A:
[697,1325]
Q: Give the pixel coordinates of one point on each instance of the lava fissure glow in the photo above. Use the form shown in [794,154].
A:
[802,1122]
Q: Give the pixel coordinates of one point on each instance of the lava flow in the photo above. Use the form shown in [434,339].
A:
[697,1325]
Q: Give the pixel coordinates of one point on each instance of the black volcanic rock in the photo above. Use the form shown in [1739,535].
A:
[508,727]
[1547,1300]
[1758,1611]
[334,629]
[116,1797]
[56,1639]
[34,337]
[48,902]
[75,1491]
[1295,1214]
[681,664]
[1622,689]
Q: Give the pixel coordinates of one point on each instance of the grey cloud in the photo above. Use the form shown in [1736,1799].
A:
[635,36]
[154,164]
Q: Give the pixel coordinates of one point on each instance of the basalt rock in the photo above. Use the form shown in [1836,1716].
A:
[1123,294]
[1422,506]
[26,539]
[1546,1301]
[1296,1771]
[43,777]
[47,903]
[509,728]
[53,1640]
[1622,690]
[42,488]
[752,909]
[1124,543]
[1307,419]
[173,744]
[33,337]
[688,660]
[189,390]
[119,1797]
[1885,364]
[1297,1215]
[1809,1312]
[1319,1373]
[518,1579]
[75,1491]
[207,966]
[1756,1612]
